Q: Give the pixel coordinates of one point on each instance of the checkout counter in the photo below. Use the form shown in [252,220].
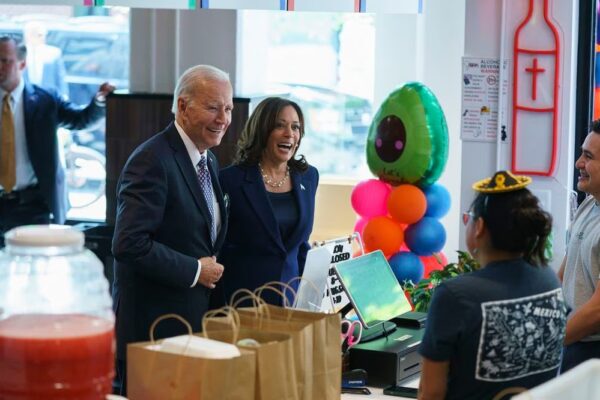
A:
[377,393]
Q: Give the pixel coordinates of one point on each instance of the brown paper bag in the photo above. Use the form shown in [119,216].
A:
[275,372]
[302,336]
[153,374]
[301,333]
[327,361]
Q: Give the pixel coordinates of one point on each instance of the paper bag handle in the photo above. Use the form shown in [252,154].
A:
[167,316]
[248,295]
[228,312]
[259,304]
[271,286]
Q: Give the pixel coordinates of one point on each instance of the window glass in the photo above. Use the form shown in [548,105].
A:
[324,62]
[94,48]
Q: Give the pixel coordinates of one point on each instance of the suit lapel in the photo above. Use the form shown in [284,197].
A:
[29,111]
[257,197]
[187,170]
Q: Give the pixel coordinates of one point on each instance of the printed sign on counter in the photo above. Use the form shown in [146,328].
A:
[341,250]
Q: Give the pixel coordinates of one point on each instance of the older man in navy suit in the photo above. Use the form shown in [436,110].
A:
[32,180]
[171,216]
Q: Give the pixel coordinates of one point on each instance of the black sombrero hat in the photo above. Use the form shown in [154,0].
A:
[501,182]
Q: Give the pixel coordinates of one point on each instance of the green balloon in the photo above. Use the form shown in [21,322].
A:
[408,137]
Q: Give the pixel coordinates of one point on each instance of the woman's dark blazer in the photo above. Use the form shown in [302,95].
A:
[254,251]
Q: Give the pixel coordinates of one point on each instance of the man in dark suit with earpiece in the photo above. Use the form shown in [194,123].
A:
[171,217]
[32,179]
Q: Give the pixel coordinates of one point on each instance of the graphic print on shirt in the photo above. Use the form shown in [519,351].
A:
[520,337]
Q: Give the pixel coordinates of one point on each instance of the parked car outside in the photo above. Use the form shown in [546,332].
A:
[95,49]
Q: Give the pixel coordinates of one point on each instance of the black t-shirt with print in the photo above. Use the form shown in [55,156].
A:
[499,327]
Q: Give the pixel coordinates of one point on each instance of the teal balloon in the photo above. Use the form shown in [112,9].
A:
[408,137]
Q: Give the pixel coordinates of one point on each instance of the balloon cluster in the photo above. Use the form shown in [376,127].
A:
[407,149]
[403,222]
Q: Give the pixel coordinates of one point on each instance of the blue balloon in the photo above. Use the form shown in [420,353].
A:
[425,237]
[407,266]
[438,201]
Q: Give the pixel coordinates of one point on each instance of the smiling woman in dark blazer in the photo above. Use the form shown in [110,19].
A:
[272,201]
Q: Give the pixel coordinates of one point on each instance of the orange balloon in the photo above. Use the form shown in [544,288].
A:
[407,204]
[383,233]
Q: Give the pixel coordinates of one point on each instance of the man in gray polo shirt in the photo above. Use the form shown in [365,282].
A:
[580,269]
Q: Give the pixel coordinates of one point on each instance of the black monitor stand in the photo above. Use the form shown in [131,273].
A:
[375,332]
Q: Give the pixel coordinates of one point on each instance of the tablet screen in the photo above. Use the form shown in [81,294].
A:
[372,288]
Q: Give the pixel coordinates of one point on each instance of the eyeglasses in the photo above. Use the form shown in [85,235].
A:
[466,217]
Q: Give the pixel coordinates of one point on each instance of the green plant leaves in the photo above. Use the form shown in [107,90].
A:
[422,292]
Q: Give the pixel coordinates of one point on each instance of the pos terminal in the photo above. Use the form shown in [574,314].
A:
[392,333]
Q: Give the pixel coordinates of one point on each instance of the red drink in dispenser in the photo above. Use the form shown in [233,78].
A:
[55,357]
[56,319]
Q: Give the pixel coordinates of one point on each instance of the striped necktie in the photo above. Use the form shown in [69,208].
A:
[8,168]
[207,191]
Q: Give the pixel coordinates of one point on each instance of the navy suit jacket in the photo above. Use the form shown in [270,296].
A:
[254,252]
[162,229]
[44,112]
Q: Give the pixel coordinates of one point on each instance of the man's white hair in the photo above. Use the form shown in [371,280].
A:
[187,82]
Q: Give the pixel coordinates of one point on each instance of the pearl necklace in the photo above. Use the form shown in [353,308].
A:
[267,179]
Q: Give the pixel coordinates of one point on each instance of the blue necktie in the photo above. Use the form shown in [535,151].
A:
[207,190]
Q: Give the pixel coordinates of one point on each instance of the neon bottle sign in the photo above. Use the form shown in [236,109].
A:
[535,92]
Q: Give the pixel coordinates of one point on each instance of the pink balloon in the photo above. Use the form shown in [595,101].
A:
[369,198]
[360,225]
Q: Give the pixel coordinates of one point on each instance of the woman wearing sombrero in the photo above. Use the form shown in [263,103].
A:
[503,325]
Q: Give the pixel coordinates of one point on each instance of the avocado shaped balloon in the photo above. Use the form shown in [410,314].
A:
[408,138]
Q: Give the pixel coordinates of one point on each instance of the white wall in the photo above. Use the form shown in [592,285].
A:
[483,35]
[164,43]
[443,43]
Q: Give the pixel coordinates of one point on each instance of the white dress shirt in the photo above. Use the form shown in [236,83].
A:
[195,155]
